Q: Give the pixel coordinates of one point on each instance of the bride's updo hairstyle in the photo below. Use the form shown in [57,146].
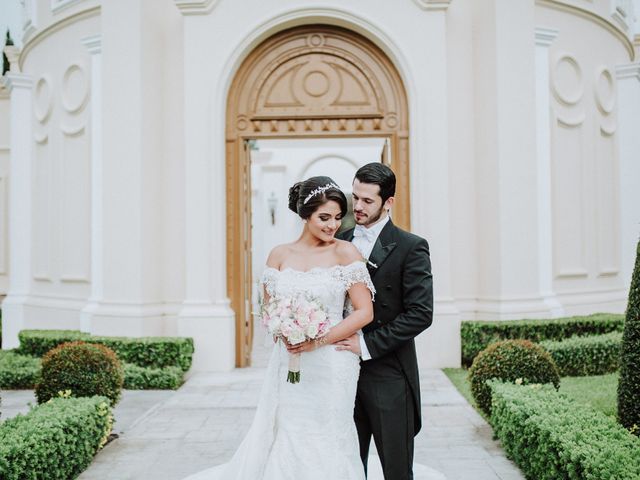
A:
[305,197]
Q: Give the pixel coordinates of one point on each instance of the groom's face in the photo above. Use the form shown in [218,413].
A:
[367,203]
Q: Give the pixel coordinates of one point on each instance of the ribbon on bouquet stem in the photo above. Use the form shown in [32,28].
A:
[294,368]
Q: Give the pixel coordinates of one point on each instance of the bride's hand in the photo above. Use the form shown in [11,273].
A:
[307,346]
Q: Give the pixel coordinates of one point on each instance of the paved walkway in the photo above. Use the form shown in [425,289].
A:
[169,435]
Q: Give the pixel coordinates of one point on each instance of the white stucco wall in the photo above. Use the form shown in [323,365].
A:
[523,174]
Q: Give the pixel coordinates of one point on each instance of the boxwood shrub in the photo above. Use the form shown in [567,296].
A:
[629,385]
[588,355]
[154,352]
[56,440]
[550,436]
[18,371]
[85,369]
[23,371]
[141,378]
[478,335]
[510,360]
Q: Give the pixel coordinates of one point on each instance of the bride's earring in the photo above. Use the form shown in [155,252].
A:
[304,220]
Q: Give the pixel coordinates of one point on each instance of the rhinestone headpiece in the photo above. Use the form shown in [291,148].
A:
[320,191]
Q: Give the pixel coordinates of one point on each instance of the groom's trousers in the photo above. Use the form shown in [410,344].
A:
[384,409]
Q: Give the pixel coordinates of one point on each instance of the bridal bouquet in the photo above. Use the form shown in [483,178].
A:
[296,319]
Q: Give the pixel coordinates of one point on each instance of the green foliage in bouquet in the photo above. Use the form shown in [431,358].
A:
[588,355]
[551,437]
[86,369]
[478,335]
[629,385]
[54,441]
[510,361]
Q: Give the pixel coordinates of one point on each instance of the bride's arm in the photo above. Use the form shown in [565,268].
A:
[362,314]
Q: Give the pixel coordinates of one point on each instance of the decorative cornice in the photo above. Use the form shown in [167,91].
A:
[599,20]
[630,70]
[13,55]
[433,5]
[195,7]
[4,92]
[93,43]
[545,36]
[59,5]
[55,27]
[18,80]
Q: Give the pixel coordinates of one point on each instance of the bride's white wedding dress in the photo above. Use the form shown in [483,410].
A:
[304,431]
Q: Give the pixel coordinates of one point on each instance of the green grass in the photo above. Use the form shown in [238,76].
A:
[458,377]
[599,391]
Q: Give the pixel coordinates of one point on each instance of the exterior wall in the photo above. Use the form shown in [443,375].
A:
[4,189]
[59,67]
[585,163]
[521,142]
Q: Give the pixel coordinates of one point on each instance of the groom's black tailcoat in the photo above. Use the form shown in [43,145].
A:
[388,398]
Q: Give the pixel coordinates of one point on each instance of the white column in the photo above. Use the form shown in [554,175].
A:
[544,38]
[505,143]
[206,314]
[628,77]
[94,45]
[20,221]
[128,154]
[439,346]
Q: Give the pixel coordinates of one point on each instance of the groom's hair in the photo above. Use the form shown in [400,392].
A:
[381,175]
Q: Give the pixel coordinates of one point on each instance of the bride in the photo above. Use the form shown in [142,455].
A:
[305,431]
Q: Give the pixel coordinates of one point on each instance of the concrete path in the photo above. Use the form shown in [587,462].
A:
[201,425]
[168,435]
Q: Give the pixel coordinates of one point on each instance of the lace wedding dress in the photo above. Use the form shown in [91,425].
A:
[305,431]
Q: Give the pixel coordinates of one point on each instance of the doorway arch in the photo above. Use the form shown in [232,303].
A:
[311,81]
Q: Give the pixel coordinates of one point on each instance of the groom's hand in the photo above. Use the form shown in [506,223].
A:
[352,344]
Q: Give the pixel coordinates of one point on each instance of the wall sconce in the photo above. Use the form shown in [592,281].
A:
[272,202]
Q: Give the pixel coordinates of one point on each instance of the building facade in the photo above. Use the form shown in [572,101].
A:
[129,169]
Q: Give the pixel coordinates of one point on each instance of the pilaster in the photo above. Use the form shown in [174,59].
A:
[20,219]
[628,101]
[544,38]
[94,46]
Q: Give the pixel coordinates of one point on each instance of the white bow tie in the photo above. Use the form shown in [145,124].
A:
[366,233]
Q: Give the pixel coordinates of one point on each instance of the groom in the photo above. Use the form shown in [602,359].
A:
[388,397]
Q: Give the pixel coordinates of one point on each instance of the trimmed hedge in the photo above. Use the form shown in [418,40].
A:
[550,436]
[629,385]
[18,371]
[478,335]
[22,372]
[140,378]
[56,440]
[510,360]
[590,355]
[85,369]
[153,352]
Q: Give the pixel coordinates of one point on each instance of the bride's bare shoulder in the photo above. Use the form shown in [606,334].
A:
[347,252]
[278,254]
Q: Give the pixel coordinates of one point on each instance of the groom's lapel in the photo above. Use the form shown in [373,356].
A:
[382,248]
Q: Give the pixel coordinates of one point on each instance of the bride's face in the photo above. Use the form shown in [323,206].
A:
[325,221]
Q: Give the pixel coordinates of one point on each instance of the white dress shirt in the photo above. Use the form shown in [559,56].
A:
[364,239]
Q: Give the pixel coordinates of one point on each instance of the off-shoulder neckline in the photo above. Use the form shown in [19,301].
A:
[315,269]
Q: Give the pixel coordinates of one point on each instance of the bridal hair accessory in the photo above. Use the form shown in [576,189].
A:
[319,191]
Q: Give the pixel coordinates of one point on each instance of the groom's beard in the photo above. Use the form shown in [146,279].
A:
[370,219]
